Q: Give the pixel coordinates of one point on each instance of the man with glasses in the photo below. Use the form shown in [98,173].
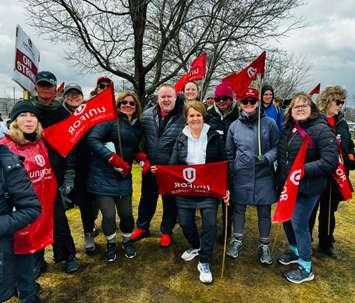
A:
[219,116]
[51,111]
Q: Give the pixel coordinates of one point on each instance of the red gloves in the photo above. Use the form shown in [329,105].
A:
[142,158]
[119,164]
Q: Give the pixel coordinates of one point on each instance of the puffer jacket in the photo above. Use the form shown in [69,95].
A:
[15,192]
[159,147]
[252,184]
[321,159]
[103,180]
[220,122]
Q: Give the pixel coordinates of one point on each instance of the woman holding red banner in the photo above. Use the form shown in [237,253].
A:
[198,144]
[304,122]
[114,146]
[330,102]
[251,174]
[24,139]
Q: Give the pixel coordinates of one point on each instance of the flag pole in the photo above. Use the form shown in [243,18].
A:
[259,114]
[330,205]
[225,239]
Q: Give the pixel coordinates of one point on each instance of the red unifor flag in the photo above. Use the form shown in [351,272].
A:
[240,82]
[339,175]
[63,136]
[315,90]
[287,200]
[197,71]
[193,180]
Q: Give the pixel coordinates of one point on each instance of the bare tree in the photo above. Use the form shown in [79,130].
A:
[148,42]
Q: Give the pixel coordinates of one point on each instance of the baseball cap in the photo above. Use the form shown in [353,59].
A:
[46,76]
[251,93]
[73,86]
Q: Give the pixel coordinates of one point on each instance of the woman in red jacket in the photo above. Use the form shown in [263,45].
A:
[24,139]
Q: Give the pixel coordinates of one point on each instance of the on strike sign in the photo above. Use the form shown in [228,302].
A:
[26,61]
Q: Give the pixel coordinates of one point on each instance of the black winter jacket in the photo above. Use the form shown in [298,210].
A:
[16,192]
[219,123]
[103,179]
[159,147]
[321,159]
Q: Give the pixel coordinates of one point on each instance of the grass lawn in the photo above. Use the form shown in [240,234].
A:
[158,275]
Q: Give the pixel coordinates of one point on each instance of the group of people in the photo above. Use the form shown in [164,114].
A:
[258,139]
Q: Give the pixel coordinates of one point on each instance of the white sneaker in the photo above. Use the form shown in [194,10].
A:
[190,254]
[205,272]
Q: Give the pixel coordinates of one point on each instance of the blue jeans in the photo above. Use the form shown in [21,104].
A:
[297,229]
[207,238]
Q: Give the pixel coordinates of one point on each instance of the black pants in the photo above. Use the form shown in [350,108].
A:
[88,211]
[25,277]
[63,246]
[148,205]
[207,238]
[264,221]
[326,219]
[108,206]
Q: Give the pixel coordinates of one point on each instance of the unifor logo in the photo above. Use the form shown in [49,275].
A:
[40,160]
[296,176]
[251,72]
[80,110]
[189,174]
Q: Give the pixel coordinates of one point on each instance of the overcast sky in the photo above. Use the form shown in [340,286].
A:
[328,44]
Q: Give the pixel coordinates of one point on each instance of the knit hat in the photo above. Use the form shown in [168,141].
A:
[251,93]
[265,88]
[23,107]
[223,89]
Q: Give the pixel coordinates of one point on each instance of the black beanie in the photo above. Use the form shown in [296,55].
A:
[23,107]
[265,88]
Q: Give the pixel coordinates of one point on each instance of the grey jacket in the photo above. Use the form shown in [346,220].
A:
[251,183]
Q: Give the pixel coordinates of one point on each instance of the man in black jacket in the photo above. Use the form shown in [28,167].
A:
[19,207]
[161,125]
[51,112]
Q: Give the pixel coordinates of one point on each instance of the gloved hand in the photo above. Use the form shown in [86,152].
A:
[142,158]
[68,183]
[261,160]
[119,164]
[67,203]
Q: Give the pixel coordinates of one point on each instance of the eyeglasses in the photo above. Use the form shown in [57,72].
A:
[130,103]
[250,101]
[222,98]
[104,85]
[339,102]
[301,107]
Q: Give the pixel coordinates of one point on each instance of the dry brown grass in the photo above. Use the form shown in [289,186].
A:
[158,275]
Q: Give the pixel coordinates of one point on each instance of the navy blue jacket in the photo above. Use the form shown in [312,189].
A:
[15,192]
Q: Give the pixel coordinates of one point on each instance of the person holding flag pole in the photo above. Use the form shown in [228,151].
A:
[330,102]
[307,154]
[251,153]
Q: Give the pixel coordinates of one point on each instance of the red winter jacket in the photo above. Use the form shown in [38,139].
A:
[39,234]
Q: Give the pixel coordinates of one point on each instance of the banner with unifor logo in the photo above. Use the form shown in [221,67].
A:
[63,136]
[193,180]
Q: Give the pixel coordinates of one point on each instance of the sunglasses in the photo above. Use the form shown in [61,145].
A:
[339,102]
[104,85]
[248,101]
[222,99]
[130,103]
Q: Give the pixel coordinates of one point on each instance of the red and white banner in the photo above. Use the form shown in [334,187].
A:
[287,200]
[193,180]
[344,186]
[26,61]
[197,71]
[240,82]
[64,135]
[315,90]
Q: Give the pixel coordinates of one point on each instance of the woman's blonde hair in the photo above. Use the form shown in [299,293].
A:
[196,105]
[330,94]
[123,95]
[17,135]
[305,97]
